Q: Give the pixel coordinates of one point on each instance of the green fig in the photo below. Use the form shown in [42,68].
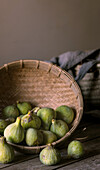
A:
[34,137]
[48,137]
[10,111]
[24,107]
[14,132]
[59,127]
[75,149]
[10,120]
[65,113]
[3,125]
[30,120]
[6,151]
[46,115]
[50,156]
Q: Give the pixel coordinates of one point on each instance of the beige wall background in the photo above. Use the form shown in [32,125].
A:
[41,29]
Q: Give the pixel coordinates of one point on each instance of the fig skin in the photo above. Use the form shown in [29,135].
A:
[50,156]
[24,107]
[48,137]
[3,125]
[10,111]
[14,132]
[75,149]
[46,115]
[10,120]
[59,127]
[33,137]
[6,151]
[30,120]
[65,113]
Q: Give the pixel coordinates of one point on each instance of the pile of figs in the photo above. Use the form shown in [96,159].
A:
[35,126]
[23,124]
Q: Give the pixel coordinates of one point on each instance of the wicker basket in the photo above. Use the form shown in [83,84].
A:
[43,84]
[90,86]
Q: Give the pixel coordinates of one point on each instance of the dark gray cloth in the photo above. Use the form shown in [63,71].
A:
[69,60]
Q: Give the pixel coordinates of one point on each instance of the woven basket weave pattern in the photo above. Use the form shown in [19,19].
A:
[90,86]
[42,84]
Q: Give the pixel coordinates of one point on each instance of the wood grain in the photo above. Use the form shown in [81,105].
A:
[90,151]
[91,145]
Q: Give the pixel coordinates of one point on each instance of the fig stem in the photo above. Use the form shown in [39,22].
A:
[18,102]
[53,120]
[18,120]
[35,109]
[49,144]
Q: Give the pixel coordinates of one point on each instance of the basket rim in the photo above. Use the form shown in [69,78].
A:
[21,64]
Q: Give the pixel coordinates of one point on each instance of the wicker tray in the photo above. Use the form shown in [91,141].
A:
[43,84]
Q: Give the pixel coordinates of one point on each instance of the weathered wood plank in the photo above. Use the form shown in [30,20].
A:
[85,132]
[91,163]
[91,148]
[85,121]
[93,113]
[18,158]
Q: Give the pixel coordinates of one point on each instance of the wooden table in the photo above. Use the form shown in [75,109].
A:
[88,132]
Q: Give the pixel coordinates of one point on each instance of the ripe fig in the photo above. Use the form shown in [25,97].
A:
[3,125]
[34,137]
[50,156]
[6,151]
[24,107]
[59,127]
[48,137]
[75,149]
[30,120]
[65,113]
[46,115]
[10,111]
[14,132]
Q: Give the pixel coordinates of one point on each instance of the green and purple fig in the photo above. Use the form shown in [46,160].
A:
[50,156]
[75,149]
[3,125]
[6,151]
[59,127]
[34,137]
[24,107]
[10,111]
[30,120]
[46,115]
[65,113]
[14,132]
[48,137]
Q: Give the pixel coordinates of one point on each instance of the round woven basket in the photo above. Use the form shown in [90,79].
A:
[43,84]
